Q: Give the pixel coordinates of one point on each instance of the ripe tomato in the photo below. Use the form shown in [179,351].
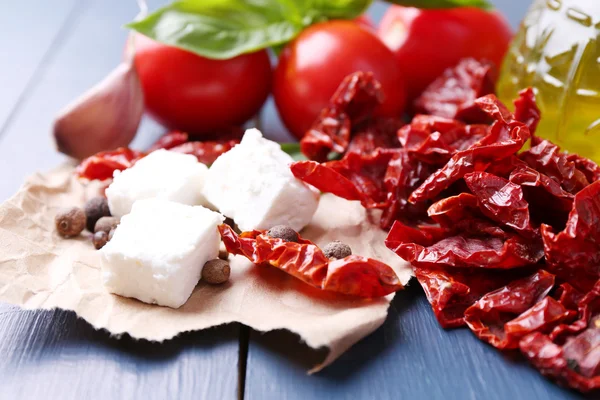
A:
[191,93]
[315,63]
[426,42]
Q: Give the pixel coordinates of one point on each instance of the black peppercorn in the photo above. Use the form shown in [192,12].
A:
[283,232]
[95,209]
[337,250]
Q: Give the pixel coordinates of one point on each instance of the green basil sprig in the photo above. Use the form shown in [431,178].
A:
[222,29]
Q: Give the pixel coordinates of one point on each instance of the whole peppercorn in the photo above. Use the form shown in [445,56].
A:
[99,239]
[337,250]
[95,209]
[70,222]
[216,271]
[283,232]
[106,224]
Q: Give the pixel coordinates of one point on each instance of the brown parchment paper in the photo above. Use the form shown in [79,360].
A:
[39,269]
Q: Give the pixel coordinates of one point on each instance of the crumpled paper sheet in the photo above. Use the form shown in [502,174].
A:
[41,270]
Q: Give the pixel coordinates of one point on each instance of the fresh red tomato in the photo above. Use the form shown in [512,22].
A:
[194,94]
[315,63]
[426,42]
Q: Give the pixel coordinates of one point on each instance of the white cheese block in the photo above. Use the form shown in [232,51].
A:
[163,174]
[158,251]
[252,184]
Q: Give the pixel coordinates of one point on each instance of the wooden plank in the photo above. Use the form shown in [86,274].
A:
[28,34]
[53,354]
[409,357]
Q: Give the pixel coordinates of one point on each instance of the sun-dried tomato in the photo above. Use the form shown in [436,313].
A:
[452,95]
[205,152]
[356,98]
[548,202]
[451,210]
[436,139]
[353,275]
[355,177]
[505,315]
[169,140]
[374,134]
[501,201]
[547,158]
[451,292]
[527,111]
[404,173]
[101,166]
[575,360]
[574,253]
[506,136]
[476,249]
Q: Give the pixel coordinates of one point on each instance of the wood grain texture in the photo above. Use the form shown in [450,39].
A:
[53,354]
[29,33]
[409,357]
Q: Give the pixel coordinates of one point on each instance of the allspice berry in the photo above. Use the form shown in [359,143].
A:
[216,271]
[283,232]
[99,239]
[95,209]
[106,224]
[70,221]
[337,250]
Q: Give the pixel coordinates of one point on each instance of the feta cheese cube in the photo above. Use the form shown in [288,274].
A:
[163,174]
[158,251]
[252,184]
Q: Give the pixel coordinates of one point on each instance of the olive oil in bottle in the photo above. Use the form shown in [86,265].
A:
[557,52]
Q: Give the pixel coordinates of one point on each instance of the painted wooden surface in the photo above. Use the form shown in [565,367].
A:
[49,53]
[53,354]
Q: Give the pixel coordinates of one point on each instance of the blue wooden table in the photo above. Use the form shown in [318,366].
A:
[50,52]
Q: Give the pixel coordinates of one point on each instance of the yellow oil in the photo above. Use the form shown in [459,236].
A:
[557,52]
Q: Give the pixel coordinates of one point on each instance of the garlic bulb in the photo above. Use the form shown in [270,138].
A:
[105,117]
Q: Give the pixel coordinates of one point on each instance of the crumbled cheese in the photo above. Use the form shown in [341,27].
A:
[158,250]
[163,174]
[252,184]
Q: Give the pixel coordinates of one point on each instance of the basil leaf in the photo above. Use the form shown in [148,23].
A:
[443,3]
[222,29]
[293,149]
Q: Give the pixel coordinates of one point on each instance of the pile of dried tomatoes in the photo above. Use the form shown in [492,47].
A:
[502,228]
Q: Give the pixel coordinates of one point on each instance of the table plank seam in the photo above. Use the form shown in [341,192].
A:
[50,52]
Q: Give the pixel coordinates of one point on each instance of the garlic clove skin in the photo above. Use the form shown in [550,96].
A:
[105,117]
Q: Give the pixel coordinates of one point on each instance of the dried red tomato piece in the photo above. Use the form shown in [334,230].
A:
[527,111]
[547,158]
[549,203]
[374,134]
[501,201]
[451,210]
[586,306]
[492,249]
[101,166]
[590,169]
[205,152]
[576,364]
[506,136]
[452,95]
[505,315]
[574,253]
[356,98]
[169,140]
[451,292]
[404,173]
[354,177]
[436,139]
[353,275]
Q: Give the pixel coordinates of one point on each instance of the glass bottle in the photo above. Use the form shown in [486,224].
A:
[557,52]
